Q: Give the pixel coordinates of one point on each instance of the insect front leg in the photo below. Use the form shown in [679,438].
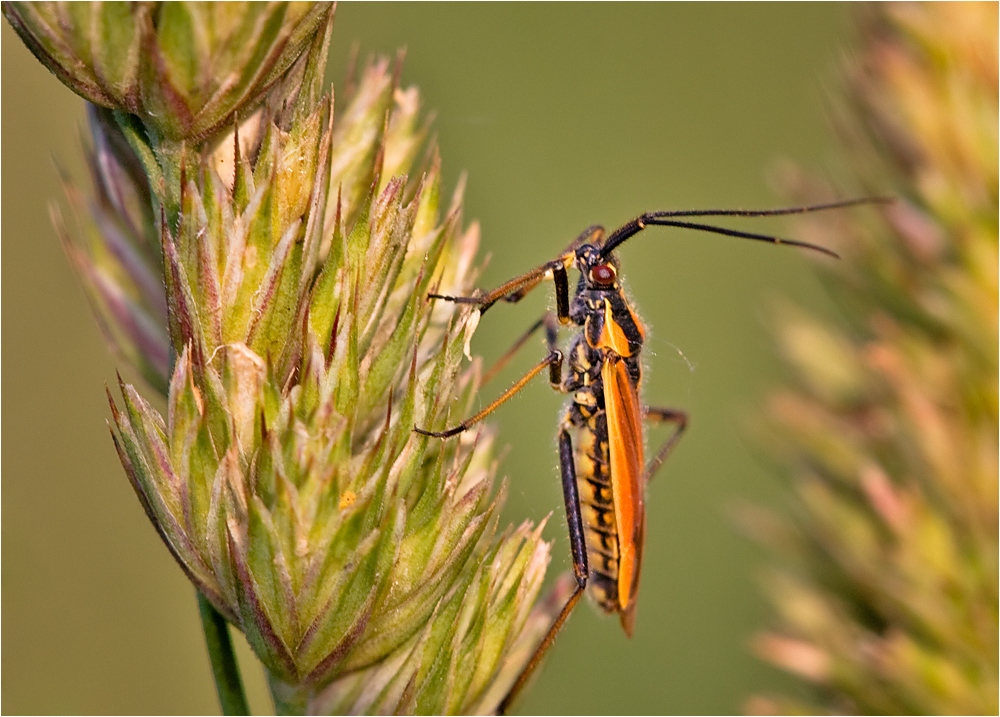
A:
[519,287]
[578,545]
[664,415]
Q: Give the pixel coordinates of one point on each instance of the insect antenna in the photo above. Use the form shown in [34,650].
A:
[673,219]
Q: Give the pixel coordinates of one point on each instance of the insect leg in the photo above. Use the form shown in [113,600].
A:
[578,544]
[518,287]
[551,337]
[554,363]
[664,415]
[574,517]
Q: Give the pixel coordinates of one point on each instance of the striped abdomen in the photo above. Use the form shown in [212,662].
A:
[597,503]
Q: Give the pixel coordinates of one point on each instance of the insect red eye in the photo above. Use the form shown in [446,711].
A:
[603,275]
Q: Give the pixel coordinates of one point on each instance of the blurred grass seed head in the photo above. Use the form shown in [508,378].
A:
[186,69]
[887,593]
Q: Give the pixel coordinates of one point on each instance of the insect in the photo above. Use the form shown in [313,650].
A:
[604,475]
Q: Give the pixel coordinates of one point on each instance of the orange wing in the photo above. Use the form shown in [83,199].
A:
[627,461]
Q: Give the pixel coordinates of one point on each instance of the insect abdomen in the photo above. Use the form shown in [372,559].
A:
[597,506]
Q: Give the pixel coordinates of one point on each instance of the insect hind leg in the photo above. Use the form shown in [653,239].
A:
[578,545]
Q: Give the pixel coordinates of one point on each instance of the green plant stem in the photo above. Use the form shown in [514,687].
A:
[288,700]
[226,672]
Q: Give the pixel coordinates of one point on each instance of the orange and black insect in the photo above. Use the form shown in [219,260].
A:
[604,477]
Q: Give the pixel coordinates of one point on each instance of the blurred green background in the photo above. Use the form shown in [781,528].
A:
[563,116]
